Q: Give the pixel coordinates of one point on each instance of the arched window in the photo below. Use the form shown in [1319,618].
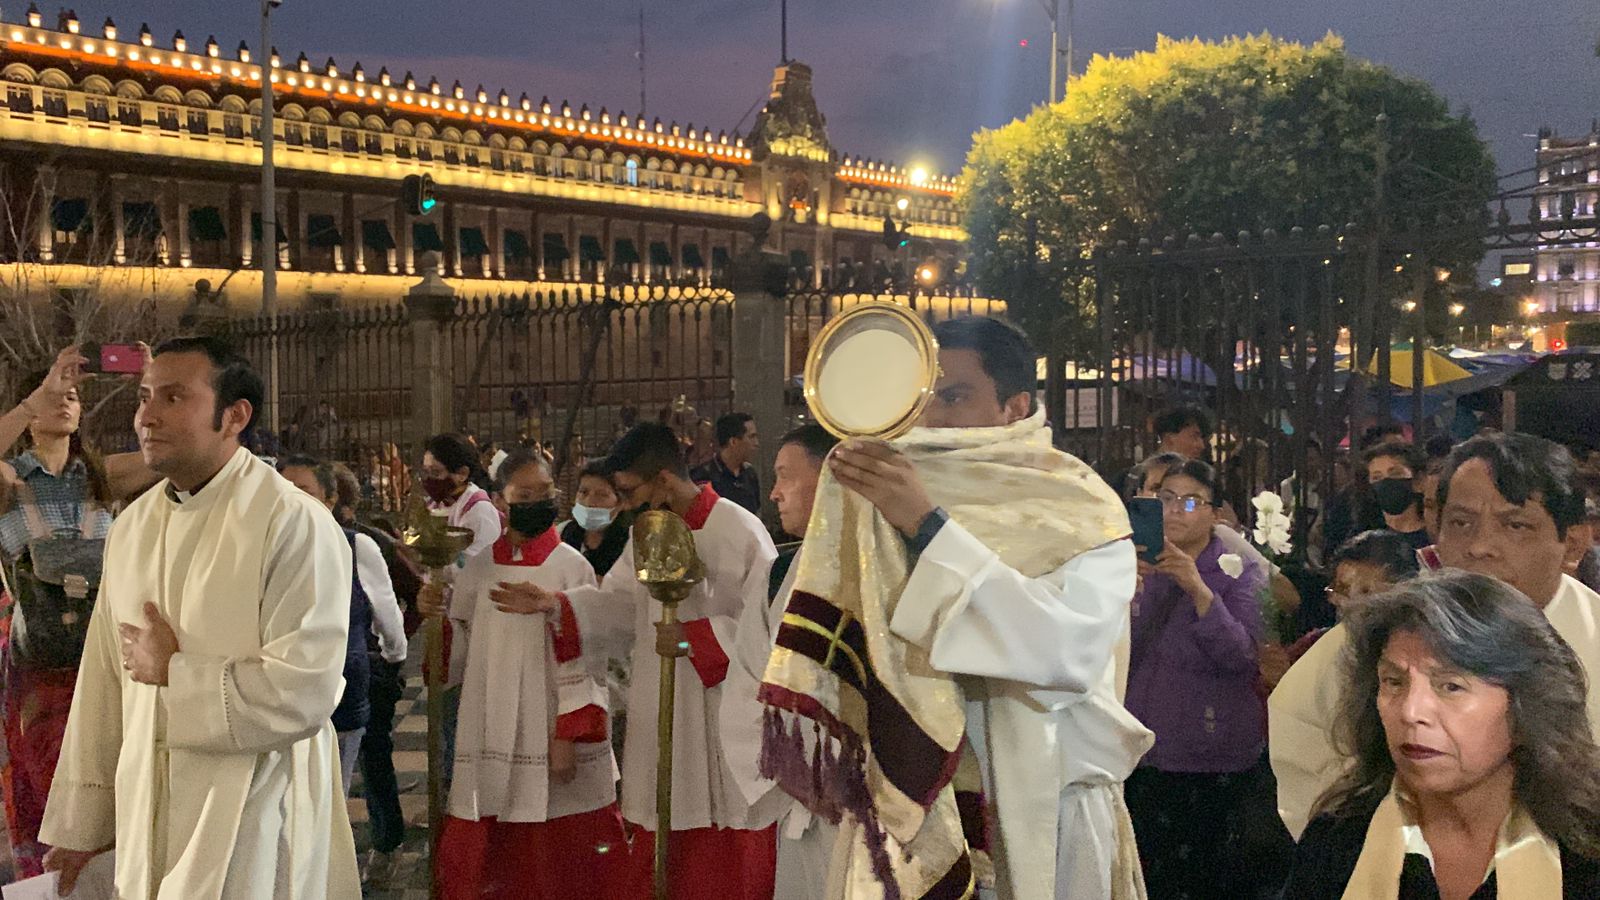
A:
[633,173]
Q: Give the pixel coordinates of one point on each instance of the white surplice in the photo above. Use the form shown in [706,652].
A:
[1303,708]
[513,692]
[476,512]
[1053,740]
[225,783]
[621,616]
[805,842]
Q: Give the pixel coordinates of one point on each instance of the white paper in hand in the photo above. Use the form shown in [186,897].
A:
[98,881]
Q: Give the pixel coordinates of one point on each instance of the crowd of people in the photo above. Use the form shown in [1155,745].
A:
[955,674]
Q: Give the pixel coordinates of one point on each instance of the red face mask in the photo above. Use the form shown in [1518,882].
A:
[440,490]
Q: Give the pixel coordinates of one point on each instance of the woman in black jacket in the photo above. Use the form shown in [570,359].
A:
[1475,772]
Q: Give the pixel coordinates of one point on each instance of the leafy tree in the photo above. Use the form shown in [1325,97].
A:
[1199,137]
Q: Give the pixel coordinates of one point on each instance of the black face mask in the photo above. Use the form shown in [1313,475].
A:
[532,519]
[1395,495]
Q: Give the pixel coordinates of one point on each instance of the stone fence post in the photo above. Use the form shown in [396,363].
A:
[760,317]
[430,306]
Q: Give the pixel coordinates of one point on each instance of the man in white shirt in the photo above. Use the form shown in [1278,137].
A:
[1510,507]
[199,744]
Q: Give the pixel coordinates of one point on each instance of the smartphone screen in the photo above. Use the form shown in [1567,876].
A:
[121,359]
[1144,513]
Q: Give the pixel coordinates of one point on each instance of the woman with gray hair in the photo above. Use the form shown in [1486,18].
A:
[1475,775]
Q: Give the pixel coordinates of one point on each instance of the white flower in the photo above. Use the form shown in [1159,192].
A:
[1272,526]
[1267,503]
[1278,540]
[1231,564]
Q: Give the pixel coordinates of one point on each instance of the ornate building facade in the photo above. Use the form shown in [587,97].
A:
[135,162]
[1565,279]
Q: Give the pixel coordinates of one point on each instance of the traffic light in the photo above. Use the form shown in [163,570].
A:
[894,237]
[416,194]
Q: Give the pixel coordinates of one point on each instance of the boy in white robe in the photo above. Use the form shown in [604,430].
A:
[805,841]
[199,743]
[1511,507]
[721,847]
[532,811]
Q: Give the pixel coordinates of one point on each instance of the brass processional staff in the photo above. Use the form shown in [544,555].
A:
[669,568]
[436,545]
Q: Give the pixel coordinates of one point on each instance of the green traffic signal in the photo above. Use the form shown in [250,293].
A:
[416,194]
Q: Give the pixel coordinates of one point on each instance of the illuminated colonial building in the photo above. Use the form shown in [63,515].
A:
[148,161]
[1566,278]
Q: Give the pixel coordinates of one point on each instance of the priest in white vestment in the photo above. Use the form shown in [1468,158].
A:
[199,745]
[805,841]
[722,847]
[1031,653]
[1511,506]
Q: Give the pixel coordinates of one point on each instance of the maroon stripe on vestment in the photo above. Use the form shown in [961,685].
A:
[912,761]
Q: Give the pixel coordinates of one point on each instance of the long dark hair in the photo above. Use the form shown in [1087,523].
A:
[1488,629]
[94,465]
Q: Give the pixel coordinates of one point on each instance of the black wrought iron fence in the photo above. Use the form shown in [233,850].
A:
[571,371]
[343,380]
[1255,331]
[567,370]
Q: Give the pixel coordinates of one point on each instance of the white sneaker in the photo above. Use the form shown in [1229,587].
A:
[377,868]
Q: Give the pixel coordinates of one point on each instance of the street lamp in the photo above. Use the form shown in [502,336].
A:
[1052,9]
[269,190]
[268,248]
[1409,306]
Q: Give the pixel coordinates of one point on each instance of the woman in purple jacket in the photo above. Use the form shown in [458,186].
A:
[1192,680]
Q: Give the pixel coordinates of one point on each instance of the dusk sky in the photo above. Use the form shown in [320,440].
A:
[905,80]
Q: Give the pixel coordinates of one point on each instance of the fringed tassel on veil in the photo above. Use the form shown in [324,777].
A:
[830,784]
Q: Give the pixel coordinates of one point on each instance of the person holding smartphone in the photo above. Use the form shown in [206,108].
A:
[1192,678]
[56,483]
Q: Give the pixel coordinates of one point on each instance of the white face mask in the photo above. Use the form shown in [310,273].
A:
[591,518]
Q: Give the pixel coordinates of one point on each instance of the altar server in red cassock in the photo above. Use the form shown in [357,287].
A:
[721,846]
[532,812]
